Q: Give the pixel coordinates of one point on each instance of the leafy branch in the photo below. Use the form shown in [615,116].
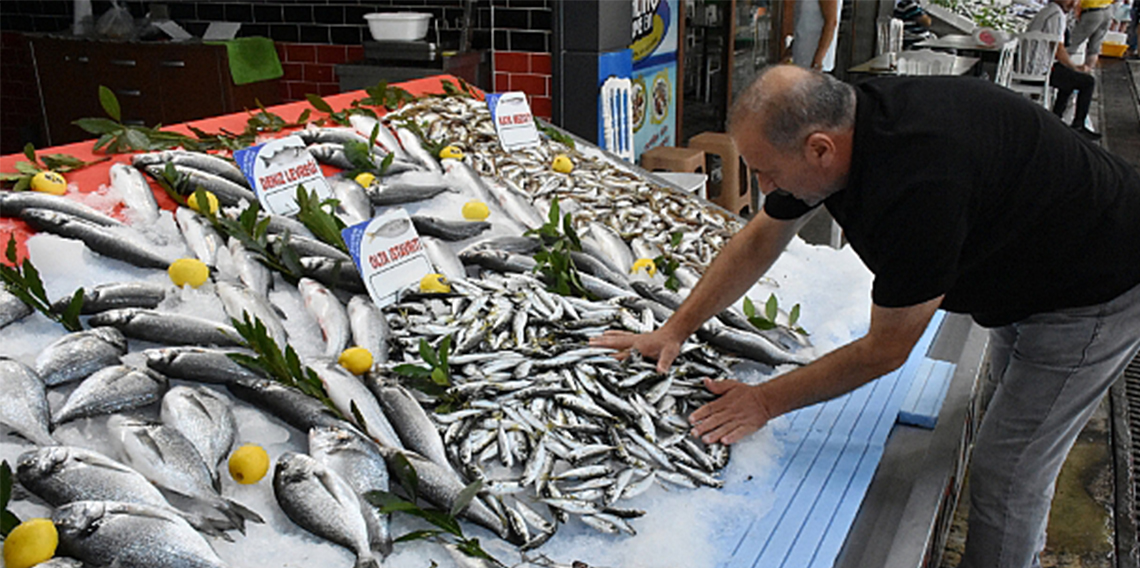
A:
[285,367]
[463,90]
[25,171]
[337,116]
[116,137]
[8,519]
[445,521]
[554,134]
[363,160]
[767,320]
[388,96]
[24,282]
[433,147]
[318,217]
[435,378]
[668,264]
[253,233]
[554,259]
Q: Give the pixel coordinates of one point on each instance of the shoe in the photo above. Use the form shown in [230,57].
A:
[1086,133]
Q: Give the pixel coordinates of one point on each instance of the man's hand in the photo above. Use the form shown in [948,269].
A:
[659,345]
[738,412]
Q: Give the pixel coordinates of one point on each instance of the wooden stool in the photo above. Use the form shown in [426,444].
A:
[730,184]
[672,159]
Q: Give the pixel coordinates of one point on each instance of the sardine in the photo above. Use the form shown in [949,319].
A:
[13,204]
[204,417]
[24,407]
[77,355]
[167,328]
[329,314]
[112,389]
[357,460]
[198,364]
[135,191]
[323,503]
[111,243]
[105,533]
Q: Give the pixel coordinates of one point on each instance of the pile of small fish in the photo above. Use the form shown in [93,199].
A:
[547,422]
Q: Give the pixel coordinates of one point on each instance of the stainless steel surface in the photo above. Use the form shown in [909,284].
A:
[959,42]
[931,64]
[919,475]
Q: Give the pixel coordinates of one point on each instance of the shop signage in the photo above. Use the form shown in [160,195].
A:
[275,169]
[513,120]
[388,253]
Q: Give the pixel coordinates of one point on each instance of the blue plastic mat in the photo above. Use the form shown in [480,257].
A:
[831,452]
[927,392]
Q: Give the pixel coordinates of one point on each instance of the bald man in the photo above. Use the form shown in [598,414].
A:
[957,194]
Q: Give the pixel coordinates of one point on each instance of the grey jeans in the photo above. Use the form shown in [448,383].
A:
[1048,373]
[1092,26]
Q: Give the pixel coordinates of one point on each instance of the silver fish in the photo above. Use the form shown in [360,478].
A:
[392,191]
[517,204]
[323,503]
[357,460]
[165,457]
[366,125]
[409,419]
[313,247]
[197,364]
[102,533]
[414,147]
[112,389]
[204,417]
[60,562]
[203,240]
[348,393]
[167,328]
[13,204]
[610,246]
[12,308]
[460,175]
[329,313]
[227,191]
[77,355]
[335,273]
[250,271]
[443,258]
[288,404]
[24,406]
[354,206]
[202,161]
[114,244]
[448,230]
[369,327]
[138,294]
[317,135]
[135,190]
[241,302]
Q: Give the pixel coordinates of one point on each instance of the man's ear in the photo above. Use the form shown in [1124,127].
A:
[819,149]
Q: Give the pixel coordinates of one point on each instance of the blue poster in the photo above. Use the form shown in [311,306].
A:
[654,90]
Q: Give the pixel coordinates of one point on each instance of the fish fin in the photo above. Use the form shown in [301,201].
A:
[245,512]
[367,561]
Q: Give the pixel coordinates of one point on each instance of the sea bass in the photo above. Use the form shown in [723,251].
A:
[24,406]
[77,355]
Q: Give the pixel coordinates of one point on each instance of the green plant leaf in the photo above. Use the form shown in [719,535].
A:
[418,535]
[27,168]
[675,238]
[439,377]
[388,502]
[409,370]
[771,308]
[30,152]
[405,474]
[794,316]
[749,308]
[70,316]
[110,103]
[427,354]
[466,496]
[318,103]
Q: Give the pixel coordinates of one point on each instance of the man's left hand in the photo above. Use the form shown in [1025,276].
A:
[738,412]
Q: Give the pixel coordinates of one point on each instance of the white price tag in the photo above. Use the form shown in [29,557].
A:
[513,120]
[388,253]
[275,169]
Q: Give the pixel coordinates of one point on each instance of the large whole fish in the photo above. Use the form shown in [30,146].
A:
[12,308]
[288,404]
[112,389]
[203,240]
[106,533]
[411,422]
[356,402]
[13,204]
[249,270]
[227,191]
[366,125]
[106,241]
[448,230]
[357,460]
[354,206]
[414,146]
[443,258]
[209,163]
[167,328]
[137,294]
[323,503]
[329,314]
[135,191]
[198,364]
[369,327]
[24,406]
[335,273]
[77,355]
[241,303]
[204,417]
[459,174]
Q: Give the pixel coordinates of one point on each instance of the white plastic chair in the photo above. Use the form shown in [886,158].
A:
[1032,64]
[1005,63]
[617,117]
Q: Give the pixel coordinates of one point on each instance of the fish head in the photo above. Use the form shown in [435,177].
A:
[41,463]
[78,520]
[330,439]
[292,467]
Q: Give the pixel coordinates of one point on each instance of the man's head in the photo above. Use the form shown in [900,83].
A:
[794,128]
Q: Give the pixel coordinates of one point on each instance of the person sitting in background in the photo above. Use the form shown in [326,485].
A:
[916,22]
[1092,25]
[1066,76]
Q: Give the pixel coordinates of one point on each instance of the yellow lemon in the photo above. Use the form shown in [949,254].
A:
[248,464]
[562,164]
[435,283]
[644,263]
[475,211]
[356,359]
[49,182]
[365,179]
[211,199]
[188,271]
[451,152]
[31,542]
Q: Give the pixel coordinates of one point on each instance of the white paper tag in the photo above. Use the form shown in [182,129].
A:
[388,253]
[221,31]
[173,30]
[275,169]
[513,120]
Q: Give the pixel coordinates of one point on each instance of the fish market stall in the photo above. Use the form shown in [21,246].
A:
[479,377]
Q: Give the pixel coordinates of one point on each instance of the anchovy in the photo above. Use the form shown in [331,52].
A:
[201,237]
[24,407]
[369,328]
[103,240]
[167,328]
[112,389]
[104,533]
[227,191]
[286,403]
[198,364]
[329,314]
[12,308]
[209,163]
[137,294]
[323,503]
[135,190]
[357,460]
[77,355]
[204,417]
[448,230]
[241,302]
[13,204]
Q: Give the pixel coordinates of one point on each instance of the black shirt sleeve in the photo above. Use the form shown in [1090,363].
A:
[781,205]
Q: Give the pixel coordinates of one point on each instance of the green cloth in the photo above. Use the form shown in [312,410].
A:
[252,59]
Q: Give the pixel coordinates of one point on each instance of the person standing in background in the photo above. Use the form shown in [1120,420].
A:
[916,22]
[1066,76]
[816,34]
[1092,25]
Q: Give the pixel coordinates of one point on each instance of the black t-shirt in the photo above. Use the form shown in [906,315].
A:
[963,188]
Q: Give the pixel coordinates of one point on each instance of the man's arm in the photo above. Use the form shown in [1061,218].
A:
[830,11]
[742,262]
[1064,59]
[742,409]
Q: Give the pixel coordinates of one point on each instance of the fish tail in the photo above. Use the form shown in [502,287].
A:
[244,513]
[367,561]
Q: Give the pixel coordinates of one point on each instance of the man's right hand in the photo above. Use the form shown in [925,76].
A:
[660,345]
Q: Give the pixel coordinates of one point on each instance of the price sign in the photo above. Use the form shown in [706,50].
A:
[388,253]
[513,120]
[275,169]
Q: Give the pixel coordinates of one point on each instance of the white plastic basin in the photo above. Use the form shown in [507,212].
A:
[398,26]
